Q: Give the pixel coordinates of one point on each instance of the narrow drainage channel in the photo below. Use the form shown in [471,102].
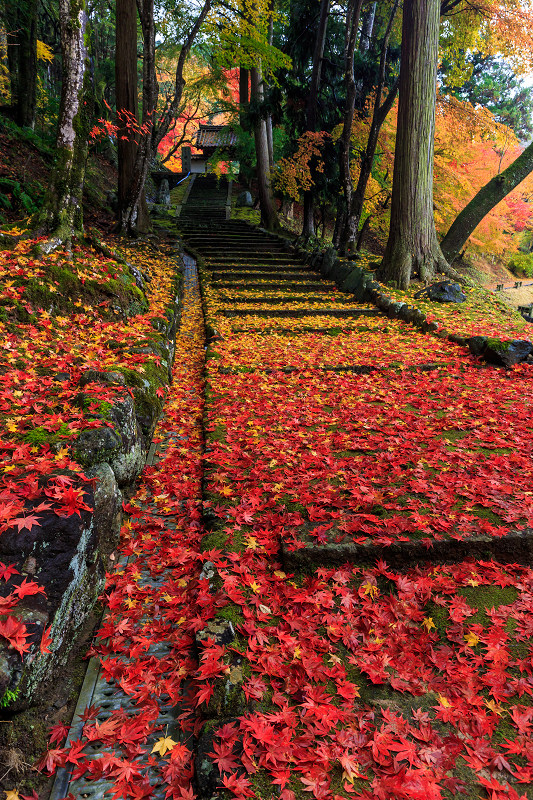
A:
[101,693]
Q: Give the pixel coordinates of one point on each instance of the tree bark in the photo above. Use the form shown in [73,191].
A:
[21,26]
[126,97]
[269,215]
[308,228]
[132,219]
[244,95]
[367,27]
[483,202]
[379,114]
[62,214]
[27,81]
[353,13]
[412,245]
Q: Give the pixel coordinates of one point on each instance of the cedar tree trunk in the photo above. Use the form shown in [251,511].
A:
[381,109]
[131,219]
[126,99]
[353,13]
[484,201]
[412,246]
[269,215]
[62,214]
[308,228]
[20,21]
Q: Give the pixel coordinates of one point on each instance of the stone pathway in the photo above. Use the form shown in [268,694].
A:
[342,446]
[312,597]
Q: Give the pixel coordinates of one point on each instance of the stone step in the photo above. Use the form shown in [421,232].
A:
[239,250]
[264,269]
[296,288]
[274,300]
[515,546]
[271,263]
[257,254]
[337,313]
[285,275]
[208,242]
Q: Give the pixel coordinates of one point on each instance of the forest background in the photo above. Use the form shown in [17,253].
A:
[300,71]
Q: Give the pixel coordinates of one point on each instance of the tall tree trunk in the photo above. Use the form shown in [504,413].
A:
[367,27]
[379,114]
[27,78]
[62,214]
[268,120]
[412,246]
[269,215]
[244,95]
[132,219]
[365,38]
[21,26]
[312,108]
[353,13]
[126,97]
[484,201]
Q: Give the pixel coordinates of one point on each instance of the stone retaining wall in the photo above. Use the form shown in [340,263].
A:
[68,556]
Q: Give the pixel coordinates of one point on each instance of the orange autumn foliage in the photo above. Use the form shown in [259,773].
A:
[470,148]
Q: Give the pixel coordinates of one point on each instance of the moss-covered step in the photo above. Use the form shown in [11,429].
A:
[240,245]
[263,274]
[297,288]
[339,313]
[267,261]
[273,299]
[512,547]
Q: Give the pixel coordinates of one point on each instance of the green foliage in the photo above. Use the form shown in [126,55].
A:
[493,84]
[16,198]
[521,264]
[9,697]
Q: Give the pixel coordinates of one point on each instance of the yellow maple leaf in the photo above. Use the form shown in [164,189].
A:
[254,586]
[493,706]
[163,745]
[428,624]
[444,701]
[369,590]
[471,639]
[12,795]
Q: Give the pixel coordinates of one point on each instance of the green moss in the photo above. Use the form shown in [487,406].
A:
[498,344]
[219,540]
[487,597]
[39,436]
[217,434]
[263,787]
[144,386]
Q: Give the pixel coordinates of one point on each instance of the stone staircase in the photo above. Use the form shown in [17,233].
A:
[254,273]
[205,203]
